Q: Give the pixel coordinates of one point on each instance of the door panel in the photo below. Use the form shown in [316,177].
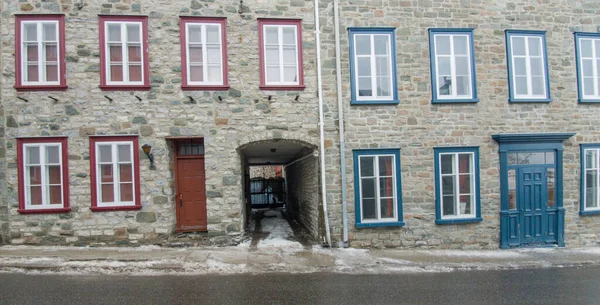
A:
[532,202]
[191,197]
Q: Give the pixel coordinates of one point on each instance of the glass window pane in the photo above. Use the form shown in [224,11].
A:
[463,85]
[369,209]
[447,163]
[550,158]
[133,33]
[289,35]
[466,205]
[382,66]
[448,185]
[124,151]
[521,84]
[196,74]
[587,67]
[54,174]
[535,46]
[519,66]
[387,207]
[462,66]
[597,45]
[512,189]
[135,73]
[106,173]
[289,74]
[538,85]
[195,54]
[271,35]
[51,52]
[382,43]
[52,155]
[35,195]
[289,55]
[591,158]
[135,54]
[367,188]
[551,188]
[32,52]
[518,46]
[114,32]
[386,187]
[33,155]
[194,33]
[126,191]
[49,31]
[366,166]
[383,86]
[448,205]
[364,86]
[116,53]
[35,175]
[588,86]
[116,73]
[362,44]
[591,189]
[363,66]
[512,158]
[212,34]
[465,163]
[273,74]
[272,55]
[55,194]
[30,32]
[214,74]
[444,67]
[213,53]
[445,85]
[464,184]
[442,45]
[537,67]
[585,47]
[460,45]
[33,73]
[107,193]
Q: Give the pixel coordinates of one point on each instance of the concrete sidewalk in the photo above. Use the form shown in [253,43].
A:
[154,260]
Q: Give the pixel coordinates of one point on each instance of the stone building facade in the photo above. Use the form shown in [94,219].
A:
[407,130]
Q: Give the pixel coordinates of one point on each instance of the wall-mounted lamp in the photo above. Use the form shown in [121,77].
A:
[147,150]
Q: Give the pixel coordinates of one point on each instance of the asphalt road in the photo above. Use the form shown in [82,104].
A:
[540,286]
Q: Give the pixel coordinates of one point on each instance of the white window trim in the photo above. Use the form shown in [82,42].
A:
[280,49]
[41,53]
[125,64]
[457,194]
[373,65]
[597,169]
[44,177]
[377,190]
[203,43]
[115,170]
[595,57]
[452,56]
[528,58]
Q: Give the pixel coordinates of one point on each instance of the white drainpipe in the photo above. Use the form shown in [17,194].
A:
[321,127]
[338,68]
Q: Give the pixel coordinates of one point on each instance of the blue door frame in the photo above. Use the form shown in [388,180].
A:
[532,221]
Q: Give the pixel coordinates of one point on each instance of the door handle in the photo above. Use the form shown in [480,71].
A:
[180,200]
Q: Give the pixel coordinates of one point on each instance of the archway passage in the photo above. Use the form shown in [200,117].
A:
[281,177]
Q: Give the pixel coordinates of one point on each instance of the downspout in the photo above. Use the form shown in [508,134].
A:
[321,127]
[338,68]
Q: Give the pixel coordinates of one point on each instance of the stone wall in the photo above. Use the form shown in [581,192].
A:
[302,180]
[416,125]
[4,221]
[226,119]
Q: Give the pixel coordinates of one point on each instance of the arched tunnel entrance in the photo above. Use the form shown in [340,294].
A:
[281,191]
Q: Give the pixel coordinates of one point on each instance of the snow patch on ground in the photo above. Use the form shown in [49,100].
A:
[472,253]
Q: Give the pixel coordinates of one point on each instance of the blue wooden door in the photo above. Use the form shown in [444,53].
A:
[532,201]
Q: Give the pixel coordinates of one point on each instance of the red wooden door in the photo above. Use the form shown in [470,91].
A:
[191,195]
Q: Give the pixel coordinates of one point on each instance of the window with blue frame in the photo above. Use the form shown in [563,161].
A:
[377,187]
[457,185]
[590,179]
[452,66]
[527,66]
[587,52]
[373,65]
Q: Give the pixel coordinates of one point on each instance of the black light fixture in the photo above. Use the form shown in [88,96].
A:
[147,150]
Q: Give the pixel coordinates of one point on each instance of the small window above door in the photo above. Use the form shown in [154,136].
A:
[190,147]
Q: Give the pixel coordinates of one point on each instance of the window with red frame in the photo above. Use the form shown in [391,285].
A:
[40,52]
[280,54]
[203,53]
[115,173]
[124,52]
[43,175]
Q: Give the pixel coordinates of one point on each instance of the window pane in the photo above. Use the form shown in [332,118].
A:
[464,163]
[551,188]
[35,175]
[289,55]
[382,44]
[271,35]
[537,85]
[54,174]
[289,74]
[462,66]
[591,189]
[520,66]
[364,86]
[585,46]
[196,74]
[518,46]
[51,73]
[445,85]
[466,204]
[108,193]
[195,54]
[289,35]
[135,53]
[447,163]
[272,55]
[460,45]
[116,53]
[387,207]
[591,158]
[386,187]
[442,44]
[382,66]
[521,84]
[537,68]
[366,166]
[124,152]
[535,47]
[126,191]
[194,33]
[55,194]
[444,68]
[369,209]
[532,158]
[35,195]
[116,73]
[587,67]
[52,155]
[588,86]
[367,188]
[106,173]
[49,31]
[212,34]
[133,33]
[448,185]
[383,86]
[549,158]
[273,74]
[512,189]
[597,44]
[512,159]
[463,85]
[32,52]
[363,66]
[30,32]
[362,44]
[33,155]
[135,73]
[448,205]
[114,32]
[213,54]
[51,52]
[214,74]
[33,73]
[464,184]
